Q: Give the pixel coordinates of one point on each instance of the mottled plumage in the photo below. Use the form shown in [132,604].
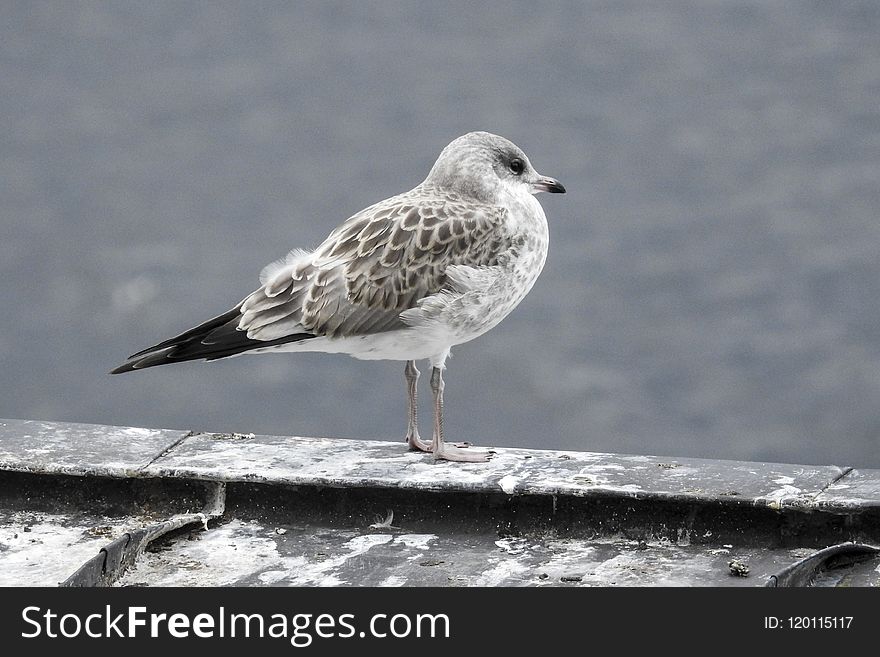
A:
[379,263]
[404,279]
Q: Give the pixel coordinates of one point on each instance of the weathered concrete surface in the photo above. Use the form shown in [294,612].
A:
[43,549]
[114,558]
[80,449]
[51,525]
[83,449]
[310,511]
[342,463]
[858,488]
[249,553]
[246,552]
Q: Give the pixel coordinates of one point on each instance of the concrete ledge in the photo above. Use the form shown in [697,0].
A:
[315,511]
[80,449]
[128,452]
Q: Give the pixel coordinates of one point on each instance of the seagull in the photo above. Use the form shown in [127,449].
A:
[405,279]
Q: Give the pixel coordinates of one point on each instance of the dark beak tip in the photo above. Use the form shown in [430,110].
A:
[554,186]
[547,184]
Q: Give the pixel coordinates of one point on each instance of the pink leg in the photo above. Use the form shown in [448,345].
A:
[412,430]
[442,450]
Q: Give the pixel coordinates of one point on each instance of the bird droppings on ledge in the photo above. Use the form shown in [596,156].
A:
[27,538]
[320,511]
[228,436]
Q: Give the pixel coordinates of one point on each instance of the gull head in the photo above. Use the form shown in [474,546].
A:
[484,166]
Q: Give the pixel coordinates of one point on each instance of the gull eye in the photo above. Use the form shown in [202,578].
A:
[517,166]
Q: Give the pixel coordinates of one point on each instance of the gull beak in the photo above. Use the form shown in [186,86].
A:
[545,184]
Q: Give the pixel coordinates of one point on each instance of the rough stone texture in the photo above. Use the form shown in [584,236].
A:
[250,553]
[84,449]
[334,462]
[312,511]
[858,488]
[80,449]
[43,549]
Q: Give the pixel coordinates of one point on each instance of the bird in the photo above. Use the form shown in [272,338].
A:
[405,279]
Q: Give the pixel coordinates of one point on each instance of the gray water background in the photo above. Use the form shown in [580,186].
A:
[713,281]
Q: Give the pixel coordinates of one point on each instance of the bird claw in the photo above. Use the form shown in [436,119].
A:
[450,452]
[416,444]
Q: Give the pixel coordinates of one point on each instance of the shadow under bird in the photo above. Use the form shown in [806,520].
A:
[405,279]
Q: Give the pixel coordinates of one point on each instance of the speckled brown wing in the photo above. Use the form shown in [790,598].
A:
[377,264]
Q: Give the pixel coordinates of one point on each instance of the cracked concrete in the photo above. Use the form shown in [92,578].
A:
[308,511]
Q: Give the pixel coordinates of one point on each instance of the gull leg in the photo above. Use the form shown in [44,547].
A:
[412,430]
[441,449]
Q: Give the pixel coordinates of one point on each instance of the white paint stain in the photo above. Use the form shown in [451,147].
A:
[237,550]
[416,541]
[775,498]
[393,581]
[220,557]
[325,572]
[512,545]
[503,572]
[45,549]
[508,483]
[138,432]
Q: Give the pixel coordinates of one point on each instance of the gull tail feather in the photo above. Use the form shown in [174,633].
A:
[217,338]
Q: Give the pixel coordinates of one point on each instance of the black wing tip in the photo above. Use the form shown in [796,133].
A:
[143,360]
[207,351]
[128,366]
